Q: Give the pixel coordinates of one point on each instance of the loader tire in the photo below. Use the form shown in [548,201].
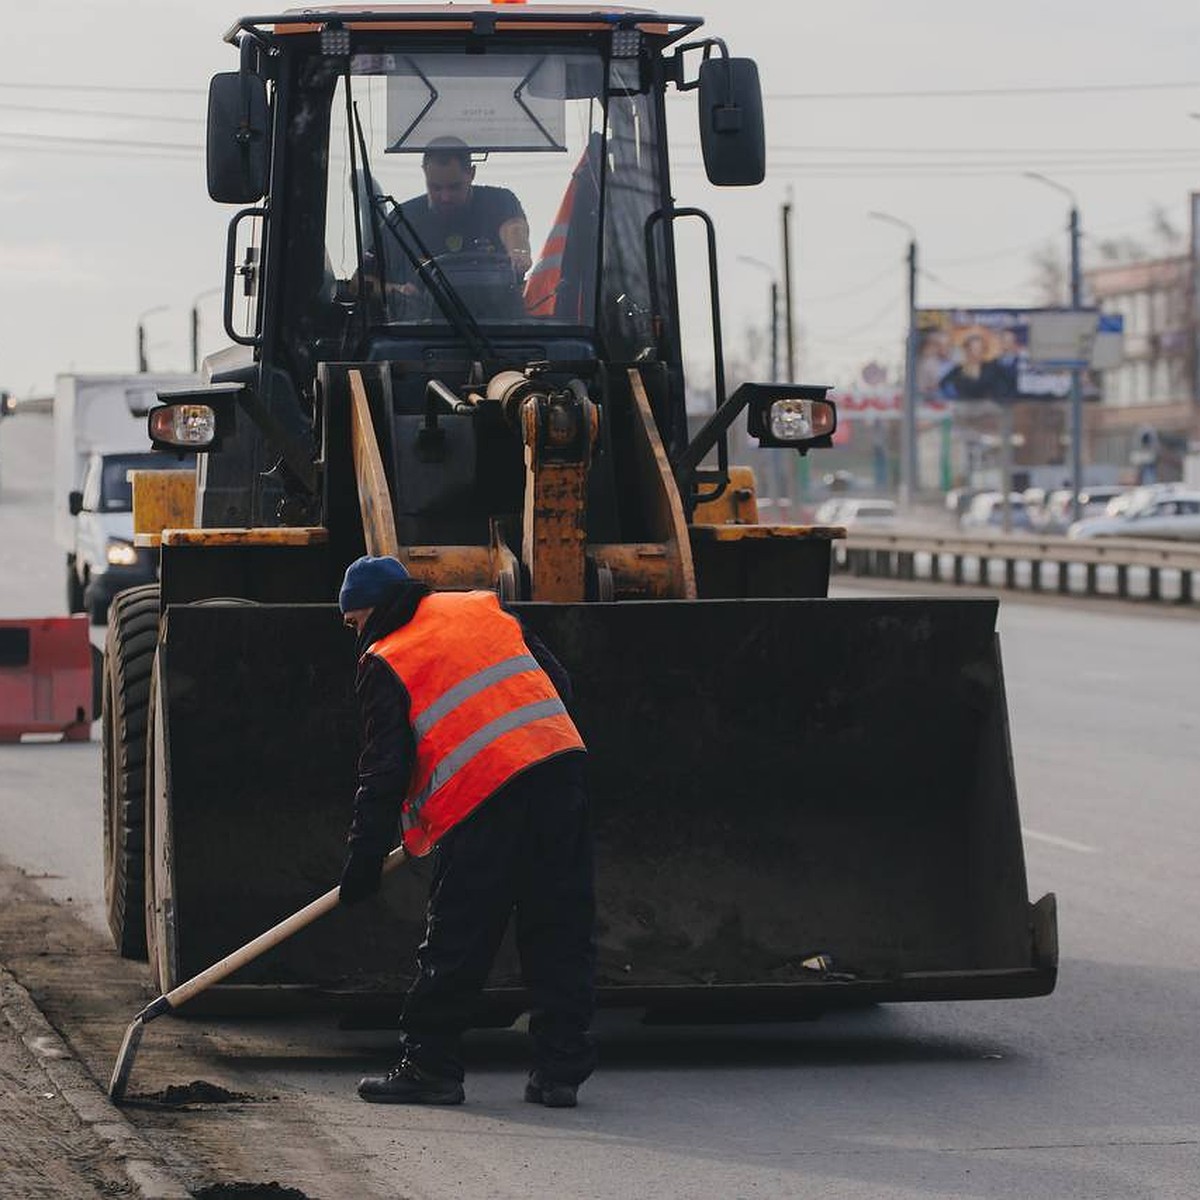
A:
[129,647]
[74,588]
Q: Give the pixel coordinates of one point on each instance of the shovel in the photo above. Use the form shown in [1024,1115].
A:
[218,971]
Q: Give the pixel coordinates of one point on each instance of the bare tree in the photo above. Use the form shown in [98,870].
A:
[1123,249]
[1051,276]
[1169,235]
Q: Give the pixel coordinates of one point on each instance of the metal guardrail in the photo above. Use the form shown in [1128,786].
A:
[924,556]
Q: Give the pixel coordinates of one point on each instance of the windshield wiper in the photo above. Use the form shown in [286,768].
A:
[428,270]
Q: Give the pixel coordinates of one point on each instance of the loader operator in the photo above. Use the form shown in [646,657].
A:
[456,216]
[466,738]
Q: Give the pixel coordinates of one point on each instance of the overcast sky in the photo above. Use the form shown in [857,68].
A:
[95,230]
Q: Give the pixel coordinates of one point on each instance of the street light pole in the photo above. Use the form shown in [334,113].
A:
[142,365]
[195,325]
[1076,381]
[749,260]
[771,461]
[909,472]
[774,331]
[790,331]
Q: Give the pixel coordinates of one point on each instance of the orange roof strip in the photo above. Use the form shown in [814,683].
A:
[469,12]
[454,17]
[451,26]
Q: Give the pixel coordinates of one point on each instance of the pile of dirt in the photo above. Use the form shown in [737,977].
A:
[250,1191]
[199,1091]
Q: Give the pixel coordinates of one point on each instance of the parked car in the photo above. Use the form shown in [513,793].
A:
[1174,515]
[958,500]
[1093,502]
[986,512]
[865,513]
[827,511]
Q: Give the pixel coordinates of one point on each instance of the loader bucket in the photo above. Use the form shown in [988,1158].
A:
[770,780]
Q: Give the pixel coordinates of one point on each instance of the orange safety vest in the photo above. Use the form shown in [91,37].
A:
[481,709]
[542,283]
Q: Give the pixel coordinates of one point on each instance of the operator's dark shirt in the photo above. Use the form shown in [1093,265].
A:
[472,226]
[389,749]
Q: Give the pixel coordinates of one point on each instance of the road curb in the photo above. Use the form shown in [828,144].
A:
[144,1167]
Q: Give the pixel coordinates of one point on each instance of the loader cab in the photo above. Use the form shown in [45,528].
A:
[387,144]
[549,122]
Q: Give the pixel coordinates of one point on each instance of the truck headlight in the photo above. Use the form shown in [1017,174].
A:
[188,426]
[120,554]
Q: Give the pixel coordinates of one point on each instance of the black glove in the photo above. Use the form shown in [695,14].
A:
[360,876]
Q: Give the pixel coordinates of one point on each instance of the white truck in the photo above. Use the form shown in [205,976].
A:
[99,437]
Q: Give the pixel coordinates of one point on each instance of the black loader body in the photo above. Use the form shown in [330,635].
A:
[798,802]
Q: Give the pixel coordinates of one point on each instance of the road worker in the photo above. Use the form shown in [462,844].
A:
[467,745]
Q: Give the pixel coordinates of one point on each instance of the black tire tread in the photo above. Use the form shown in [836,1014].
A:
[129,648]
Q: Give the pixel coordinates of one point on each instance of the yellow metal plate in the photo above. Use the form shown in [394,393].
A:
[162,500]
[312,535]
[737,533]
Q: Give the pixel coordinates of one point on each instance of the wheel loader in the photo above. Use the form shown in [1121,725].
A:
[798,802]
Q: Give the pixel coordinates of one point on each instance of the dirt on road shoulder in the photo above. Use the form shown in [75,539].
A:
[187,1100]
[46,1149]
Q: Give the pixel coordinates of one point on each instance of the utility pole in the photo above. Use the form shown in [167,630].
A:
[774,331]
[909,481]
[910,379]
[1076,381]
[797,481]
[789,327]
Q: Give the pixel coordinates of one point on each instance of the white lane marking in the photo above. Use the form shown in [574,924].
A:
[1064,843]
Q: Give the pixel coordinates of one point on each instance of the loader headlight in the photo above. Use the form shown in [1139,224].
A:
[120,554]
[797,416]
[799,420]
[186,426]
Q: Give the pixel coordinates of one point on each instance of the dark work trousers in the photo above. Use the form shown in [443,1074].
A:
[527,849]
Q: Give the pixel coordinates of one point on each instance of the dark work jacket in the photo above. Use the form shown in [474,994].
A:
[388,747]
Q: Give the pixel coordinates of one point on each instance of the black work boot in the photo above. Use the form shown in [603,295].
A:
[406,1083]
[540,1090]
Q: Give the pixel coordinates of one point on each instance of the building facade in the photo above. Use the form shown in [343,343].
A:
[1148,414]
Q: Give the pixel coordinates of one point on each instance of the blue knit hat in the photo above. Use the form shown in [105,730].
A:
[370,581]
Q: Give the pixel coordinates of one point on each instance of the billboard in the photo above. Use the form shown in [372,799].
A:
[984,354]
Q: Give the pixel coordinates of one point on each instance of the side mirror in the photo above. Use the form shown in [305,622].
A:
[6,404]
[75,503]
[237,150]
[732,137]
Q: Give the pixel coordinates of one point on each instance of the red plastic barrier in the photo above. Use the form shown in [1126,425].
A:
[45,678]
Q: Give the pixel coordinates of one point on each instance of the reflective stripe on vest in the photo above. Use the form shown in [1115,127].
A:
[481,708]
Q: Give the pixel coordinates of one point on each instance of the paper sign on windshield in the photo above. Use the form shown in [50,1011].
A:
[495,102]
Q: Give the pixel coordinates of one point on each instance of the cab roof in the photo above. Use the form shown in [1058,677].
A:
[487,19]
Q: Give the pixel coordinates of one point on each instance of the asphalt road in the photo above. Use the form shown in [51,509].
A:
[1091,1092]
